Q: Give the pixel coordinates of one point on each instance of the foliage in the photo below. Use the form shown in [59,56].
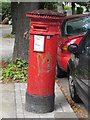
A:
[86,4]
[9,36]
[66,7]
[6,10]
[48,5]
[79,10]
[5,0]
[17,71]
[41,5]
[51,5]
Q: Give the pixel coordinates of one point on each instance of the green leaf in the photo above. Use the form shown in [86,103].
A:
[7,74]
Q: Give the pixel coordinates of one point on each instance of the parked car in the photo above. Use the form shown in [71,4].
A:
[79,70]
[72,29]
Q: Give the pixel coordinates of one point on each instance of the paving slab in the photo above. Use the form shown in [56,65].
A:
[13,103]
[7,101]
[6,29]
[61,105]
[66,115]
[6,48]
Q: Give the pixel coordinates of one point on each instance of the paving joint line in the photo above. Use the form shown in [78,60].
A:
[15,101]
[21,100]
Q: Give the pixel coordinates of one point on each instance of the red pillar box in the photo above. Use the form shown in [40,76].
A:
[42,60]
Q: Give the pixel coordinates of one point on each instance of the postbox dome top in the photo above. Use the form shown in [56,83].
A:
[45,14]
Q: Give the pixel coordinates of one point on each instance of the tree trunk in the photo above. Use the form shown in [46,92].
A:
[23,23]
[73,8]
[14,13]
[60,7]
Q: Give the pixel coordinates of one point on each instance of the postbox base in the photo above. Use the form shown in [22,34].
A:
[39,104]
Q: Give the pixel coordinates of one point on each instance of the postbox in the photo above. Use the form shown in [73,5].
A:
[44,34]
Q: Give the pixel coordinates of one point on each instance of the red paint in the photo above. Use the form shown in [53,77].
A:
[41,70]
[62,55]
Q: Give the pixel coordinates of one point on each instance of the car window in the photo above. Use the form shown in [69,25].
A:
[86,46]
[86,49]
[76,26]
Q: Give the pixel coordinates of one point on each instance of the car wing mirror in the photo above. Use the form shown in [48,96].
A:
[73,48]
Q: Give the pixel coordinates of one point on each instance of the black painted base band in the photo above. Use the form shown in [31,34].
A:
[39,104]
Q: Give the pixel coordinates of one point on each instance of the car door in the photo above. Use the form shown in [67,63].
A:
[83,68]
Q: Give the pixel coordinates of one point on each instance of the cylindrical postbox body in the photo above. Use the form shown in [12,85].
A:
[42,60]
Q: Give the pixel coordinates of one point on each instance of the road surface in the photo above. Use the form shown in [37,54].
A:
[64,83]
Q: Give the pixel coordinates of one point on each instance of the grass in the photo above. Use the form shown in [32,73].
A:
[9,36]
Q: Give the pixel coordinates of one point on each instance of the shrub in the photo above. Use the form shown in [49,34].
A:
[17,71]
[79,10]
[67,7]
[51,5]
[6,10]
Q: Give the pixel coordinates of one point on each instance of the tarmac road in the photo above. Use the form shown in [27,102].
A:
[64,83]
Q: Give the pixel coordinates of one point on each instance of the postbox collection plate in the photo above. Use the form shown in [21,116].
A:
[39,42]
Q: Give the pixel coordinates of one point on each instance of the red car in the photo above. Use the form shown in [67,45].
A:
[72,29]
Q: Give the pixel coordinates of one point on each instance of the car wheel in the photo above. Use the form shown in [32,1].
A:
[73,92]
[59,72]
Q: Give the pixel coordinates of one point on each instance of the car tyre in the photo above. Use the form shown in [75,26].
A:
[59,72]
[72,88]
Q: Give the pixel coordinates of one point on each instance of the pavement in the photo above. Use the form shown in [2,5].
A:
[6,29]
[12,102]
[12,95]
[6,44]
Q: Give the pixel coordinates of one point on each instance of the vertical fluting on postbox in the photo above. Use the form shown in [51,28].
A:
[42,60]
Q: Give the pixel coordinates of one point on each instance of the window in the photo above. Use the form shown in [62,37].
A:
[76,26]
[86,46]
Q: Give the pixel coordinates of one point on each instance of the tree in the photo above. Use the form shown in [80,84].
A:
[48,5]
[73,8]
[6,9]
[21,44]
[41,5]
[86,4]
[51,6]
[60,7]
[14,13]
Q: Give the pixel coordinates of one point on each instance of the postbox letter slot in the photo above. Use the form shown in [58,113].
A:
[42,28]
